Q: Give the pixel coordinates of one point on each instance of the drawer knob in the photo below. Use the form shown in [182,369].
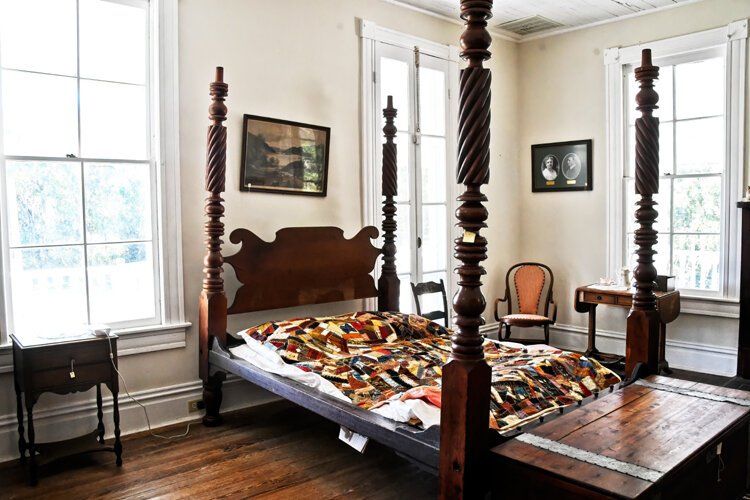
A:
[598,297]
[72,368]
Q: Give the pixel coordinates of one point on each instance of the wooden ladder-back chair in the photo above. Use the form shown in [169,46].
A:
[528,290]
[429,287]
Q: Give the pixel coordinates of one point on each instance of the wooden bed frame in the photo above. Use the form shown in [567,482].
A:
[329,267]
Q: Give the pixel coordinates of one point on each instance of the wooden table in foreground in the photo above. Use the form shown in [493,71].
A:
[657,438]
[588,297]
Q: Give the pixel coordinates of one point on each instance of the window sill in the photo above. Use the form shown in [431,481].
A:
[710,306]
[131,341]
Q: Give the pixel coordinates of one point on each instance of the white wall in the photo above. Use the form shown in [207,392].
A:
[563,98]
[291,59]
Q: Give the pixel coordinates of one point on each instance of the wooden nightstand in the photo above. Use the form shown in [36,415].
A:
[63,366]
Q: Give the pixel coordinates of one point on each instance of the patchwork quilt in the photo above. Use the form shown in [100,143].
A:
[376,357]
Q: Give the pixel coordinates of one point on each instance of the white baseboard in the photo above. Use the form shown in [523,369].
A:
[56,417]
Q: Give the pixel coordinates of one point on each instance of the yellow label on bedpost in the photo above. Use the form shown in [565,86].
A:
[469,236]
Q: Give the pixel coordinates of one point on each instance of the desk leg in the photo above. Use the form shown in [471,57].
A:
[591,350]
[19,414]
[663,364]
[99,413]
[116,418]
[31,447]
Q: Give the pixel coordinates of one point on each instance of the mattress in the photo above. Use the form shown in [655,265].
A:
[391,363]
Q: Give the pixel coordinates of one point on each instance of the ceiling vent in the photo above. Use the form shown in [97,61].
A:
[529,25]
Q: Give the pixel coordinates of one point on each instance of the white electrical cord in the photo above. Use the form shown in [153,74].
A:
[145,412]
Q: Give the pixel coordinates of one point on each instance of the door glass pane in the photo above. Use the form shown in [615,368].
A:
[44,203]
[663,207]
[700,146]
[50,111]
[433,169]
[403,147]
[121,282]
[696,261]
[47,44]
[697,203]
[403,238]
[700,88]
[432,101]
[118,202]
[433,237]
[395,82]
[48,288]
[113,41]
[114,121]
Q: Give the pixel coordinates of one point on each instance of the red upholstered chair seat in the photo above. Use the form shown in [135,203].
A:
[526,320]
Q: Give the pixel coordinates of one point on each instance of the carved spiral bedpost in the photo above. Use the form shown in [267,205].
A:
[466,377]
[388,284]
[213,300]
[642,339]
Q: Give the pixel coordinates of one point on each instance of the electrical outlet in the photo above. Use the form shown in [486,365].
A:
[195,405]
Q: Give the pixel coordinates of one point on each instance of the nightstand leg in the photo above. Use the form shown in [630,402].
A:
[99,413]
[116,418]
[19,414]
[31,447]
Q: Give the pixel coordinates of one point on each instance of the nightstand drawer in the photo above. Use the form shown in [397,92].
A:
[60,356]
[59,378]
[598,298]
[626,301]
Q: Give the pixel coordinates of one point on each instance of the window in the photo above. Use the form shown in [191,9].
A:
[701,87]
[86,165]
[419,75]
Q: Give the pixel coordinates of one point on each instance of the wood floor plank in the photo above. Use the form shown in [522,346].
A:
[273,451]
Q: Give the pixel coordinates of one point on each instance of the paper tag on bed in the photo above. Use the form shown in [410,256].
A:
[356,441]
[469,236]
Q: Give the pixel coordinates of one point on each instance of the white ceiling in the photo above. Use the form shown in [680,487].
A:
[569,13]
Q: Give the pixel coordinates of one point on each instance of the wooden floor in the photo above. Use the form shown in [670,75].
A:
[273,451]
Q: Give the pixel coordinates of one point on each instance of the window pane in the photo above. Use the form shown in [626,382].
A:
[700,88]
[697,203]
[661,258]
[113,41]
[47,288]
[665,89]
[49,112]
[433,237]
[432,159]
[46,44]
[406,299]
[696,261]
[700,146]
[662,198]
[121,282]
[118,202]
[395,82]
[432,101]
[114,121]
[403,146]
[666,148]
[44,203]
[403,239]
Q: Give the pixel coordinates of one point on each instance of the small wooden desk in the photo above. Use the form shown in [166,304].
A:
[587,298]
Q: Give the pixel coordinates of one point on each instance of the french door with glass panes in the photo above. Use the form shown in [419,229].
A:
[420,86]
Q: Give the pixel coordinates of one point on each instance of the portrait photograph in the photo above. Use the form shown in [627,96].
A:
[281,156]
[561,166]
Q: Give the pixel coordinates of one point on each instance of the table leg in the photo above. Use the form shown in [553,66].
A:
[116,418]
[19,414]
[99,413]
[30,446]
[591,349]
[663,364]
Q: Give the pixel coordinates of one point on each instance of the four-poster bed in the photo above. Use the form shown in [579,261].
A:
[334,268]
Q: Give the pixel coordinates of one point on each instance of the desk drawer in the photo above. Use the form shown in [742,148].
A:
[599,298]
[58,380]
[625,301]
[60,356]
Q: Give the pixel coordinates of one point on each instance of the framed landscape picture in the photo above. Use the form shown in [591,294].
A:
[561,166]
[280,156]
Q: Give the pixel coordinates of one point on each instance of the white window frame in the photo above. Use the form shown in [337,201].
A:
[372,135]
[170,329]
[616,59]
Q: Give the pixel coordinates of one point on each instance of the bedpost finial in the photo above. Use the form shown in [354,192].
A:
[476,40]
[646,57]
[220,74]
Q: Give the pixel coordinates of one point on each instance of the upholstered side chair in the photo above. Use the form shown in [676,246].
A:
[528,294]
